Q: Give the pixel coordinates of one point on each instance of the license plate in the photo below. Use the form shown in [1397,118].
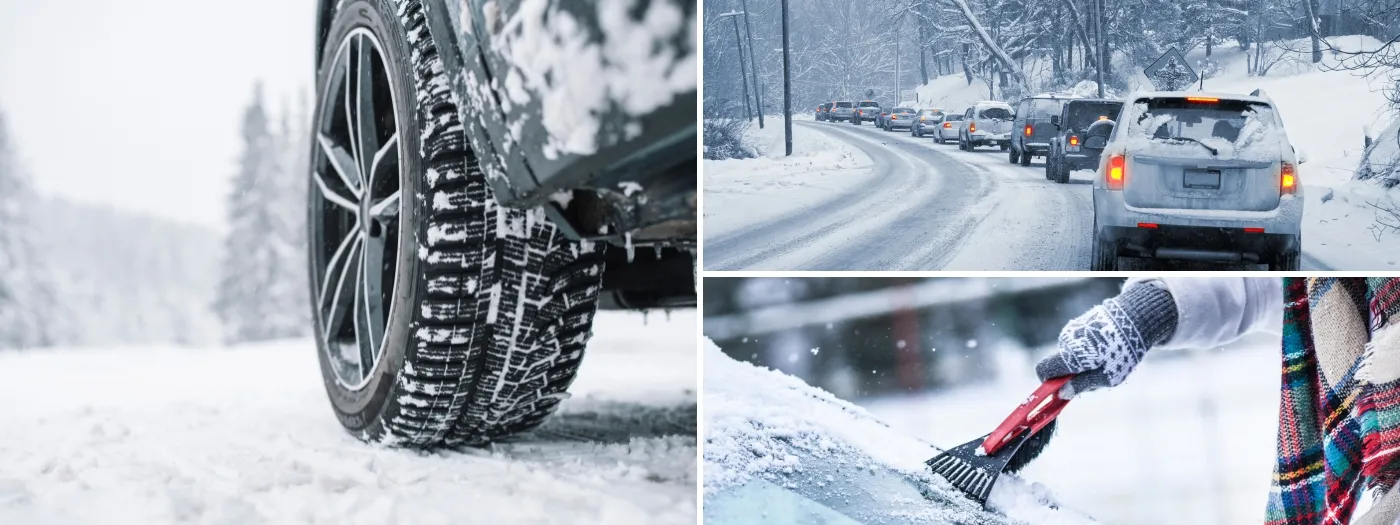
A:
[1202,179]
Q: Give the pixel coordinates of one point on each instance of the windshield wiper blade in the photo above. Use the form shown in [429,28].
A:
[1212,151]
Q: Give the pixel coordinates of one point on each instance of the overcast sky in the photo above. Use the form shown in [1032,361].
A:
[138,103]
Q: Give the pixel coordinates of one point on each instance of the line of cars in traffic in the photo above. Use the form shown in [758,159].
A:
[1177,175]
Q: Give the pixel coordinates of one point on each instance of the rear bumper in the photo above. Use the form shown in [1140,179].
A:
[988,138]
[897,124]
[1203,235]
[1081,161]
[1037,148]
[1200,243]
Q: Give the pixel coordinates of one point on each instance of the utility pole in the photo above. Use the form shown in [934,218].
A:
[743,74]
[787,86]
[1103,49]
[753,65]
[897,23]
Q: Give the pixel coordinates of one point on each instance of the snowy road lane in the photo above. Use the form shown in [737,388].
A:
[245,435]
[930,206]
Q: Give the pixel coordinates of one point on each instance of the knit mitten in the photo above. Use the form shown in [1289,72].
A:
[1102,346]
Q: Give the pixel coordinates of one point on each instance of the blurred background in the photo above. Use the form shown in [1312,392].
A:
[148,159]
[1188,438]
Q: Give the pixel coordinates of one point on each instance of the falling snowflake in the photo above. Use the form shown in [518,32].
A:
[814,350]
[899,344]
[972,343]
[792,358]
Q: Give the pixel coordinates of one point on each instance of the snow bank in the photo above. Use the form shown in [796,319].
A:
[742,192]
[753,415]
[245,435]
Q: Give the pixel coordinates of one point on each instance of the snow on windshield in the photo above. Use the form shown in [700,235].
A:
[754,416]
[997,113]
[1233,129]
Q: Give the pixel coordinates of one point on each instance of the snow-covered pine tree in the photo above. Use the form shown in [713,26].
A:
[255,300]
[27,310]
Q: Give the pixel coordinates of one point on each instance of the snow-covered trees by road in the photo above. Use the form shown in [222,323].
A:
[262,291]
[27,309]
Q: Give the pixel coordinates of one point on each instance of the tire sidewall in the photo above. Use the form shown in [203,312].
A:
[360,410]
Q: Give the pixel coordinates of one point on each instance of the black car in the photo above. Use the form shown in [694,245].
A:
[926,122]
[1031,130]
[822,112]
[1067,149]
[470,208]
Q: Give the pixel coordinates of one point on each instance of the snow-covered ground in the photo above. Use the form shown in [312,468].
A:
[748,191]
[757,420]
[1188,438]
[245,435]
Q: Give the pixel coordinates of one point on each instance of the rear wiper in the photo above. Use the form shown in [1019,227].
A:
[1212,151]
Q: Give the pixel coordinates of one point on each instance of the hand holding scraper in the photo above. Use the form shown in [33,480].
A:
[1096,350]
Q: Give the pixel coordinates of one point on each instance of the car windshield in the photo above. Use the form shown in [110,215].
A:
[903,110]
[843,104]
[954,116]
[1224,127]
[1082,114]
[996,113]
[869,104]
[1042,108]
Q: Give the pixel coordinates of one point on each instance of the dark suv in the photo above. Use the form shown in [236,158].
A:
[822,111]
[1067,151]
[1032,130]
[468,212]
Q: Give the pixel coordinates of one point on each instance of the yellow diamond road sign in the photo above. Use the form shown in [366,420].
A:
[1171,72]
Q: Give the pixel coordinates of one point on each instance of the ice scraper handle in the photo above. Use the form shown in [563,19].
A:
[1034,413]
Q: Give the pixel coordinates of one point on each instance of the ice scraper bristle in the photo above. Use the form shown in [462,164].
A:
[973,467]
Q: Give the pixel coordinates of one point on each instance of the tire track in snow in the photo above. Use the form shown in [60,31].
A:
[821,236]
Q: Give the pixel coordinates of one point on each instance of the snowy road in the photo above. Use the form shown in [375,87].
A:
[245,435]
[925,206]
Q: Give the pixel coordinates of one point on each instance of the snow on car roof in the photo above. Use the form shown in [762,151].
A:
[754,415]
[986,103]
[1206,94]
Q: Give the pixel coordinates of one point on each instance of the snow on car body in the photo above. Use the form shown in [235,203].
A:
[1198,176]
[986,123]
[900,117]
[778,448]
[840,110]
[866,110]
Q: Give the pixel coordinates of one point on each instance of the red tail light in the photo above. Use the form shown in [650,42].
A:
[1148,225]
[1028,130]
[883,114]
[894,117]
[1254,230]
[972,127]
[1208,100]
[1288,178]
[1074,140]
[948,124]
[1116,172]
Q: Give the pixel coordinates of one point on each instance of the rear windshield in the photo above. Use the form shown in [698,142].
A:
[954,116]
[1082,114]
[903,110]
[1001,113]
[843,104]
[1042,108]
[869,104]
[930,113]
[1228,126]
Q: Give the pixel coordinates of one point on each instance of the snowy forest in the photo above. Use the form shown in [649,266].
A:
[883,49]
[80,274]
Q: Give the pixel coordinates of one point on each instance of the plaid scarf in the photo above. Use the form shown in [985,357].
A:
[1339,413]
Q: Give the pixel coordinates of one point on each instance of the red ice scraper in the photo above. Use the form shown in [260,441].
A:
[973,467]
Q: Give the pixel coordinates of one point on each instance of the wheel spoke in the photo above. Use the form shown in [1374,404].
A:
[384,209]
[341,274]
[343,163]
[347,202]
[369,306]
[366,134]
[390,146]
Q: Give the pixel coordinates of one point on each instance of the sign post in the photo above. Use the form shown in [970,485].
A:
[1170,72]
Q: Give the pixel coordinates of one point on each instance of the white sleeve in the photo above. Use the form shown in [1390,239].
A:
[1212,311]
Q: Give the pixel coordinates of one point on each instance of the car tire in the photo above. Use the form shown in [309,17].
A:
[1105,255]
[1050,167]
[1286,262]
[1004,147]
[1061,173]
[1012,157]
[1025,159]
[489,309]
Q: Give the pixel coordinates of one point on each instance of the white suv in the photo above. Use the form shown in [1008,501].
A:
[986,123]
[1198,176]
